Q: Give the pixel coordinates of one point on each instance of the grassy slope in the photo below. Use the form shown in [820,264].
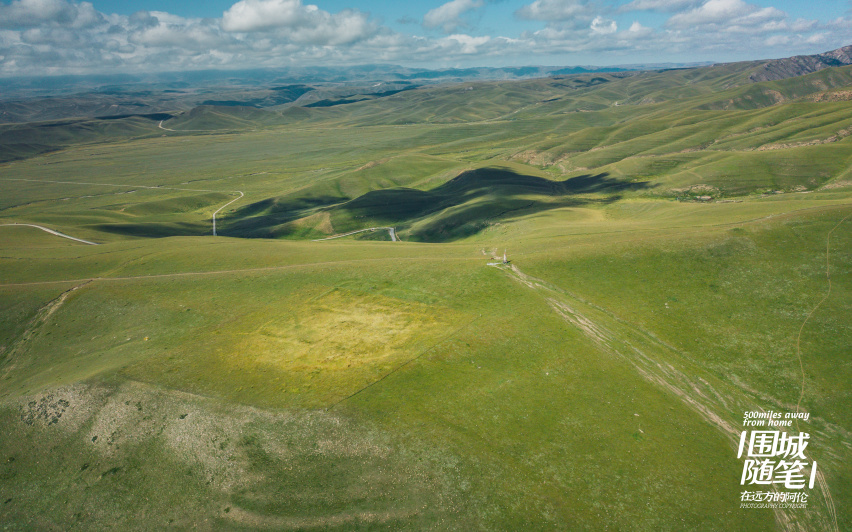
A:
[270,390]
[342,328]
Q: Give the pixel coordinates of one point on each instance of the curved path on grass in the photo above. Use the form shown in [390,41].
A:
[818,305]
[126,186]
[829,500]
[51,231]
[160,125]
[643,349]
[390,230]
[222,207]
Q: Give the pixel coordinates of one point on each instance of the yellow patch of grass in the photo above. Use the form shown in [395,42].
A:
[314,350]
[340,330]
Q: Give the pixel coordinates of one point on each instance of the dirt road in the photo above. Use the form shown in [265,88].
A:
[390,230]
[51,231]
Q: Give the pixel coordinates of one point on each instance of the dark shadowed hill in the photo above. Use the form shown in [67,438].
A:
[463,206]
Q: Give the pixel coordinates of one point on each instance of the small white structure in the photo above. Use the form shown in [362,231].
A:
[505,260]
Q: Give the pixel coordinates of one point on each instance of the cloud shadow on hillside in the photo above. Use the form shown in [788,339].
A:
[470,202]
[262,218]
[458,208]
[156,229]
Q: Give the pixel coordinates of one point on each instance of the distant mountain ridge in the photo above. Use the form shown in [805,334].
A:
[116,84]
[296,90]
[122,83]
[800,65]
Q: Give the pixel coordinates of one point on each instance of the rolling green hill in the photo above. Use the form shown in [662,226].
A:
[215,118]
[19,141]
[678,246]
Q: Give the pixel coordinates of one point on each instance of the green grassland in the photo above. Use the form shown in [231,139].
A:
[669,243]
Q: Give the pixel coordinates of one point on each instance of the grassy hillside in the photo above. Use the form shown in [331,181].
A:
[215,118]
[19,141]
[670,260]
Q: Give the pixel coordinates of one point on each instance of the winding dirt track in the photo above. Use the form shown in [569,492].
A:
[128,186]
[818,305]
[160,125]
[222,207]
[718,402]
[829,500]
[51,231]
[390,230]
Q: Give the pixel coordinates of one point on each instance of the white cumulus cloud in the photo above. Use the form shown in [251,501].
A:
[259,15]
[297,22]
[448,16]
[186,35]
[603,26]
[466,44]
[31,13]
[551,10]
[723,12]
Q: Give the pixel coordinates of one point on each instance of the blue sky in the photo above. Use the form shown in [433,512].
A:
[67,36]
[826,9]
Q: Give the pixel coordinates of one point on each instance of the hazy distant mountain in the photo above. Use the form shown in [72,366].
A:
[31,99]
[110,84]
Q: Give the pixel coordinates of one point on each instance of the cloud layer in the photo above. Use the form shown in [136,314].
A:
[64,36]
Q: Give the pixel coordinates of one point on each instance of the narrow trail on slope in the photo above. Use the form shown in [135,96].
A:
[813,310]
[160,125]
[51,231]
[222,207]
[637,346]
[718,402]
[34,327]
[149,187]
[829,500]
[390,230]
